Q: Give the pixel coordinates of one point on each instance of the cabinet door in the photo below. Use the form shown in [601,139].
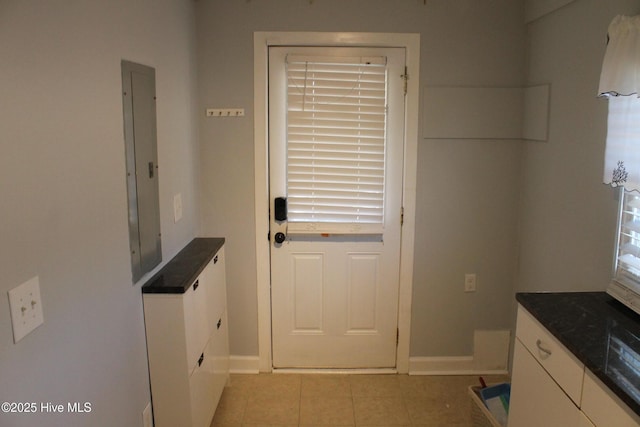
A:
[603,407]
[217,292]
[220,353]
[202,393]
[195,320]
[536,400]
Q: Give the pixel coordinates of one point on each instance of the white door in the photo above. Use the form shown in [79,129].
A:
[336,120]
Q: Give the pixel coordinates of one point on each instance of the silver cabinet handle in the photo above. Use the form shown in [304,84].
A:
[543,350]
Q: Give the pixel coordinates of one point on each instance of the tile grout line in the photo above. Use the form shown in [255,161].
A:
[300,403]
[353,403]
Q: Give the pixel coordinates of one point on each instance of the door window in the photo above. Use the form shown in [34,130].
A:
[336,133]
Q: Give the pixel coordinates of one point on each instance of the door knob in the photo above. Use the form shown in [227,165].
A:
[279,237]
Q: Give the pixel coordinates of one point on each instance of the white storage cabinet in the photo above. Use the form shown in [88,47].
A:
[550,387]
[188,349]
[546,380]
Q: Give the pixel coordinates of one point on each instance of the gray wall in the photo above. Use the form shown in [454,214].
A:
[64,200]
[567,216]
[467,189]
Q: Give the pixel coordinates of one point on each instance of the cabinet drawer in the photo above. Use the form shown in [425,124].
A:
[603,407]
[201,388]
[217,292]
[561,365]
[196,320]
[220,357]
[536,400]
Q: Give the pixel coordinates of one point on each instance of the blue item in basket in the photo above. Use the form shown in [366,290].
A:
[496,399]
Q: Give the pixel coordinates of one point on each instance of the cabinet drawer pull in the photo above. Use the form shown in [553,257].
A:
[215,259]
[196,284]
[219,324]
[201,359]
[546,352]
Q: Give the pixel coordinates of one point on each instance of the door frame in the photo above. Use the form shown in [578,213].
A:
[261,43]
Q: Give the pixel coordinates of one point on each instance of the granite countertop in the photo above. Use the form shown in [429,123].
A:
[183,269]
[594,327]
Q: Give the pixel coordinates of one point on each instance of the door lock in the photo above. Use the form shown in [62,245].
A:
[279,237]
[280,205]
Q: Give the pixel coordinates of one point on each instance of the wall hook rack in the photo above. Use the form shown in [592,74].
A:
[225,112]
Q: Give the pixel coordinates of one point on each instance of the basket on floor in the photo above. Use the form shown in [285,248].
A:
[480,415]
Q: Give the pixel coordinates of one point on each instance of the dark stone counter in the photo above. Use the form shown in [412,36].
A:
[183,269]
[601,332]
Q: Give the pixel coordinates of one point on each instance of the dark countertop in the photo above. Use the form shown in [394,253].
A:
[593,326]
[183,269]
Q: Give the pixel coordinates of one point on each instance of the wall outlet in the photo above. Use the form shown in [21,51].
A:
[147,419]
[26,308]
[469,282]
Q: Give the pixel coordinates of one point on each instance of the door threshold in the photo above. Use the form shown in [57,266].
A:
[342,371]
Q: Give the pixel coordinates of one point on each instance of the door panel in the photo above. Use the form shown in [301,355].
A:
[308,287]
[364,285]
[334,283]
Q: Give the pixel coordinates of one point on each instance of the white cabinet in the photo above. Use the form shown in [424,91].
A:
[551,387]
[188,349]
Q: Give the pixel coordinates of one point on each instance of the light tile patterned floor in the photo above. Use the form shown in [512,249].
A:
[346,400]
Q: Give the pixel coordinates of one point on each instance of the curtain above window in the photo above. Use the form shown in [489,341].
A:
[621,66]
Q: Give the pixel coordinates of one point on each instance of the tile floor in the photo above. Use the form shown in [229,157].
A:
[346,400]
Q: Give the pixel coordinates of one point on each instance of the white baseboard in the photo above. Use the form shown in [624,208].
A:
[491,357]
[244,364]
[337,371]
[251,365]
[454,365]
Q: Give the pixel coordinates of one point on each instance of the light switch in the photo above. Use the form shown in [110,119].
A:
[469,282]
[26,308]
[177,207]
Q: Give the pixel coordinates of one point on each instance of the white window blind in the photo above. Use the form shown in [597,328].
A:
[628,247]
[622,154]
[336,139]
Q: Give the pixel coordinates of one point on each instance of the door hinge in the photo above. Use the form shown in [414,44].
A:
[405,78]
[397,336]
[402,216]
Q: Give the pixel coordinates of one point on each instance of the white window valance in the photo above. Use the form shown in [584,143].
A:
[619,82]
[621,66]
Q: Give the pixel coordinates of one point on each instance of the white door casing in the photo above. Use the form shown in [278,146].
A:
[262,42]
[335,281]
